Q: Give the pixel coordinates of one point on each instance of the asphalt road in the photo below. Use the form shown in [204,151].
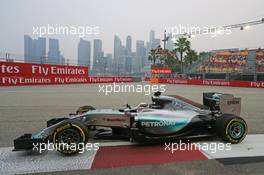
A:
[26,109]
[205,167]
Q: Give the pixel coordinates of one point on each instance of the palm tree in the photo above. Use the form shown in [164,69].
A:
[191,56]
[182,46]
[152,56]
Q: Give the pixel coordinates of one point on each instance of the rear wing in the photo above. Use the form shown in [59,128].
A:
[225,103]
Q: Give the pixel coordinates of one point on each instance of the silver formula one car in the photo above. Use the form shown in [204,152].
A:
[167,117]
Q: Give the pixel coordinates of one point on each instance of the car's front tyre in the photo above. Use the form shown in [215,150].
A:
[70,137]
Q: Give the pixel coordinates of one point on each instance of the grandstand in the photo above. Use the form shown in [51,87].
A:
[225,62]
[229,64]
[233,64]
[260,61]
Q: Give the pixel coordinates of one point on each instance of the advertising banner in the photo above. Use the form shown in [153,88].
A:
[110,79]
[19,74]
[16,74]
[232,83]
[161,70]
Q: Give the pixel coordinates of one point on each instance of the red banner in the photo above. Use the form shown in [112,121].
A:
[16,74]
[232,83]
[19,74]
[110,79]
[161,70]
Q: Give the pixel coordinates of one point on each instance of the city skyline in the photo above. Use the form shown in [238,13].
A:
[86,46]
[122,60]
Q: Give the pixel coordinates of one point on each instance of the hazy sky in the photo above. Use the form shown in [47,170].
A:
[129,17]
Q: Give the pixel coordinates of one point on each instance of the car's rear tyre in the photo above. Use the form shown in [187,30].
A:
[231,128]
[84,109]
[70,137]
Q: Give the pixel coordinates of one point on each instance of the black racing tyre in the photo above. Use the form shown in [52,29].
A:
[231,128]
[70,137]
[84,109]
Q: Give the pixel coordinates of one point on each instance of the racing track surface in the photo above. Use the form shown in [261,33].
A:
[125,154]
[26,109]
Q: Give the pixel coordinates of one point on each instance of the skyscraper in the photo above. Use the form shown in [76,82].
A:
[140,49]
[54,51]
[141,54]
[40,53]
[153,42]
[170,44]
[122,60]
[34,49]
[98,56]
[128,63]
[28,49]
[156,43]
[84,53]
[117,53]
[109,61]
[129,43]
[151,36]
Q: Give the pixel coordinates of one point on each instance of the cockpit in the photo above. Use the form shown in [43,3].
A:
[163,102]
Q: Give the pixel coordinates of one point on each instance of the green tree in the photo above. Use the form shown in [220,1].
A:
[152,56]
[190,57]
[163,58]
[203,55]
[182,46]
